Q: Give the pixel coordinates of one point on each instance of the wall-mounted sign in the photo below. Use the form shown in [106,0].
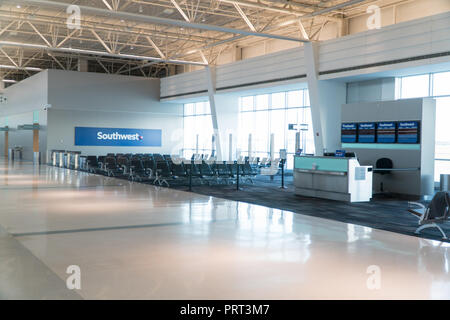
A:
[386,132]
[340,153]
[348,132]
[118,137]
[408,132]
[366,132]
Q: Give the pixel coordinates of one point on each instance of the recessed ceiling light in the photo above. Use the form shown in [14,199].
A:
[18,6]
[168,11]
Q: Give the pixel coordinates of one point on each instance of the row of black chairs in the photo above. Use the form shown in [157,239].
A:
[162,170]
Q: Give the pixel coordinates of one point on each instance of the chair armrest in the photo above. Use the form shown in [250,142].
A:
[412,203]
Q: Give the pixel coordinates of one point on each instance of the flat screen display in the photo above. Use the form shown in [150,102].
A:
[408,132]
[349,132]
[366,132]
[386,132]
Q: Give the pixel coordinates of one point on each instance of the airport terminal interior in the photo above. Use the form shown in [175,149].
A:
[224,149]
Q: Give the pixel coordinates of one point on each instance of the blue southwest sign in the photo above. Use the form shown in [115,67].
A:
[117,137]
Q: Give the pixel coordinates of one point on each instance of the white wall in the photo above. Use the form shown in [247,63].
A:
[25,98]
[420,182]
[61,131]
[30,94]
[371,90]
[102,100]
[24,138]
[88,99]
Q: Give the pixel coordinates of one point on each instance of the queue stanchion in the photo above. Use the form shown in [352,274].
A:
[282,175]
[190,176]
[283,157]
[237,175]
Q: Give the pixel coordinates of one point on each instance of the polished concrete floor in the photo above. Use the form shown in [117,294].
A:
[135,241]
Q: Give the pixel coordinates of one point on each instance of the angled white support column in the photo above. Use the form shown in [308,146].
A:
[326,97]
[211,84]
[224,114]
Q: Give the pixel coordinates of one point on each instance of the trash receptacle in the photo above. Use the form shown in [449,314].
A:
[61,159]
[82,163]
[444,182]
[66,159]
[11,154]
[18,153]
[75,160]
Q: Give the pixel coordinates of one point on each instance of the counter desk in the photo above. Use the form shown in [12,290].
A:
[332,178]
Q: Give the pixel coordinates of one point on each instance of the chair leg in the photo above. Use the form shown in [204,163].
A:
[165,182]
[432,225]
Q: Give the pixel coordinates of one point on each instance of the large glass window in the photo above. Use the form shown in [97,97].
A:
[267,114]
[198,129]
[415,86]
[434,85]
[441,84]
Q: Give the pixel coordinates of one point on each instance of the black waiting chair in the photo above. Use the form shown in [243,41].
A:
[383,164]
[382,167]
[193,170]
[136,170]
[162,173]
[179,170]
[223,172]
[92,164]
[123,163]
[435,213]
[149,166]
[111,168]
[207,172]
[248,172]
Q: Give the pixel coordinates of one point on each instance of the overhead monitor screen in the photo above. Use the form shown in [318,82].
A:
[408,132]
[366,132]
[386,132]
[348,132]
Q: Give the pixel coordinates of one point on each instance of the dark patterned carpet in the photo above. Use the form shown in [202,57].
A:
[382,212]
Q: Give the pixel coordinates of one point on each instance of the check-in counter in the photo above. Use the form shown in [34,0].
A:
[332,178]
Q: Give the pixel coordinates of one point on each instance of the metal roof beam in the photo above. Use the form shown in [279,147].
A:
[97,53]
[158,20]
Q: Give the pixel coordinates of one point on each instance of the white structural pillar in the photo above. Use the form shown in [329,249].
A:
[297,141]
[230,148]
[213,146]
[327,98]
[250,145]
[224,115]
[272,146]
[197,137]
[210,82]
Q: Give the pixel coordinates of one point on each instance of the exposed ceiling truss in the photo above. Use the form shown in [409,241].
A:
[151,37]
